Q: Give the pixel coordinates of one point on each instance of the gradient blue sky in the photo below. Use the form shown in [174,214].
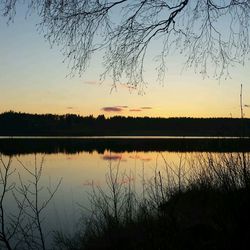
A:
[34,79]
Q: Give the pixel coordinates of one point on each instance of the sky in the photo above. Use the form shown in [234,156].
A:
[34,79]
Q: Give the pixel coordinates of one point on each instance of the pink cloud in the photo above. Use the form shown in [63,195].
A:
[112,109]
[135,110]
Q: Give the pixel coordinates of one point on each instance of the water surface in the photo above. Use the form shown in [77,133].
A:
[83,163]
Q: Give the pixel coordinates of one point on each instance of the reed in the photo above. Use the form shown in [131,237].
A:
[201,203]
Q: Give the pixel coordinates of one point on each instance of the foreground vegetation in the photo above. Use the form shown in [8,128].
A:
[201,203]
[204,206]
[23,205]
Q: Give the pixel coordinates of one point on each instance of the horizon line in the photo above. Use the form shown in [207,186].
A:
[128,116]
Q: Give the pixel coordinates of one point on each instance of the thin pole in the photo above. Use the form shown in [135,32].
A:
[241,103]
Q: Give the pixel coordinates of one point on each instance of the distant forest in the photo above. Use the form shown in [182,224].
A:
[21,124]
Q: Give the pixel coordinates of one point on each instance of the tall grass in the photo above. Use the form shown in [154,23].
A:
[201,203]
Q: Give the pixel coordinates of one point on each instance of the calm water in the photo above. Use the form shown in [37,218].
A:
[82,163]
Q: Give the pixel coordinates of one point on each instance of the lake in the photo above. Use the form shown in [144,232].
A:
[83,163]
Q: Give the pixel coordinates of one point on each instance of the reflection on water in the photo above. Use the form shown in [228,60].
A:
[79,172]
[122,137]
[87,166]
[16,146]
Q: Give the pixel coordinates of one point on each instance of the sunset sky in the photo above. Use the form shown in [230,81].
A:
[33,78]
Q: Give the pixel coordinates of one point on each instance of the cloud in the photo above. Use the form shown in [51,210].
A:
[135,110]
[69,107]
[112,109]
[123,107]
[146,107]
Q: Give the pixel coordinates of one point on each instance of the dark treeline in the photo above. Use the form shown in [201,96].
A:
[14,123]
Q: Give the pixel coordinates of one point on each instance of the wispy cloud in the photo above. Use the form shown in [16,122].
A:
[123,107]
[120,108]
[135,110]
[146,107]
[69,107]
[112,109]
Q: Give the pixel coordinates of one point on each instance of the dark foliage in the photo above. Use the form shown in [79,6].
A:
[12,123]
[209,210]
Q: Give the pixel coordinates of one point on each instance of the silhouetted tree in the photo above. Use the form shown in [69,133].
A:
[212,34]
[13,123]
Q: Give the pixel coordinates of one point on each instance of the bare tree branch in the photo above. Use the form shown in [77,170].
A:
[213,35]
[22,228]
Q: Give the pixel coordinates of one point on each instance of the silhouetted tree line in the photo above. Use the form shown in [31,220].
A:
[14,123]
